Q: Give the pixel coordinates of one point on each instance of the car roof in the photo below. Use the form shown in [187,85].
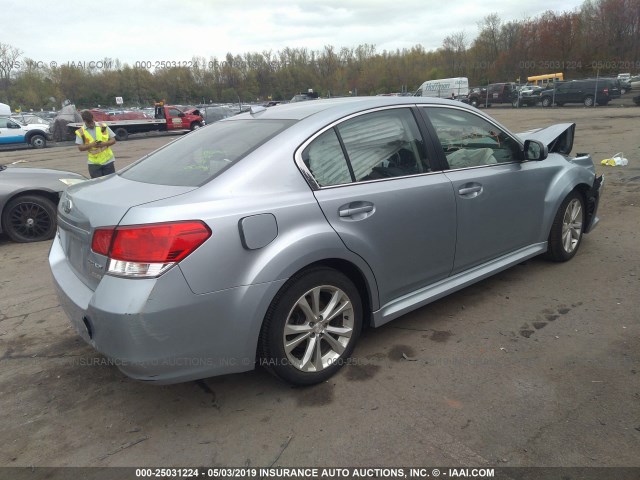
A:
[339,107]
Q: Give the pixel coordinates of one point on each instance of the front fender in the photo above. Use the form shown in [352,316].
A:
[564,182]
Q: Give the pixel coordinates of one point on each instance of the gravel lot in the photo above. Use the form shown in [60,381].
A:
[539,365]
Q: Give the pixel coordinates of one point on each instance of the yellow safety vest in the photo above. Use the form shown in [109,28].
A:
[97,156]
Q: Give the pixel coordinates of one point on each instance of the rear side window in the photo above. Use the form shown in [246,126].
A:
[203,154]
[325,160]
[384,144]
[371,146]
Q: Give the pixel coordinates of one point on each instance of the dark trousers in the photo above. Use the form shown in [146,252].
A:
[101,170]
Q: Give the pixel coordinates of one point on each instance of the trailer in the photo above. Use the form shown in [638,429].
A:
[166,118]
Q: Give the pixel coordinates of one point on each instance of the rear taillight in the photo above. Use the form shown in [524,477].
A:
[606,91]
[148,250]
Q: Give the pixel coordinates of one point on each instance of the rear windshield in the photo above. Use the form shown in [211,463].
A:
[203,154]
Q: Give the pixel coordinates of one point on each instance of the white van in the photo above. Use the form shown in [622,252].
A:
[5,111]
[444,88]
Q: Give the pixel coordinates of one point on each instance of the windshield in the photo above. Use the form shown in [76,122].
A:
[18,121]
[205,153]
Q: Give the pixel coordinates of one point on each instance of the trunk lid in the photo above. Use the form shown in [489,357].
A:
[100,203]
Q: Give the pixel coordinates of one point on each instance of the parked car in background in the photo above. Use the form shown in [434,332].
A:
[272,237]
[588,92]
[28,201]
[625,85]
[444,88]
[498,93]
[30,119]
[303,97]
[14,132]
[528,95]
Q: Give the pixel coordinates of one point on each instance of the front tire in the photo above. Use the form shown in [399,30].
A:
[567,229]
[195,126]
[38,141]
[588,101]
[29,218]
[311,326]
[546,102]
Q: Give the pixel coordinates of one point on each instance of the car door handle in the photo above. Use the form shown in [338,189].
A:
[349,212]
[470,190]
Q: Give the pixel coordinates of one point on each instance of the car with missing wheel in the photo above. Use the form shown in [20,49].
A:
[275,236]
[28,201]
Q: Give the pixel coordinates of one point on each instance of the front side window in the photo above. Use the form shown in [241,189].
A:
[203,154]
[471,141]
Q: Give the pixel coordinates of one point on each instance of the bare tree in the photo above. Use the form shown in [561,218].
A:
[8,63]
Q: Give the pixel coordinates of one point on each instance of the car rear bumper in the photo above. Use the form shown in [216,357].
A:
[158,329]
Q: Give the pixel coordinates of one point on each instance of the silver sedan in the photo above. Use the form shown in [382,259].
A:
[28,201]
[274,237]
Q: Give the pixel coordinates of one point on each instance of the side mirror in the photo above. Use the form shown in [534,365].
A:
[535,150]
[181,115]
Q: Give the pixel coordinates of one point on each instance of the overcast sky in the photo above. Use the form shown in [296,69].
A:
[175,30]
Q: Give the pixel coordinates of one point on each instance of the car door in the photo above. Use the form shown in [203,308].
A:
[10,132]
[378,186]
[499,197]
[174,119]
[563,94]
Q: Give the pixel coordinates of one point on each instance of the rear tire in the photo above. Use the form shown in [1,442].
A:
[567,229]
[29,218]
[311,327]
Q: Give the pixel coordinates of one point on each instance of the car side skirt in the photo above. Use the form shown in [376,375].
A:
[428,294]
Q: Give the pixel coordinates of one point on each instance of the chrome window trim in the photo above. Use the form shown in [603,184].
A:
[309,176]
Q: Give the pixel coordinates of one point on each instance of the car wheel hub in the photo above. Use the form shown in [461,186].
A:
[572,226]
[30,220]
[318,328]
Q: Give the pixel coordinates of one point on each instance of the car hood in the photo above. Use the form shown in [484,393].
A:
[35,126]
[42,178]
[558,138]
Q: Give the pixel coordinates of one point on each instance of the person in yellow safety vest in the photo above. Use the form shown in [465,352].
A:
[96,141]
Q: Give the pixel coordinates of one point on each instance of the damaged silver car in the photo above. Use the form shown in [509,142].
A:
[274,237]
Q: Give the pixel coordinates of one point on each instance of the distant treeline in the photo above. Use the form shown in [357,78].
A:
[601,37]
